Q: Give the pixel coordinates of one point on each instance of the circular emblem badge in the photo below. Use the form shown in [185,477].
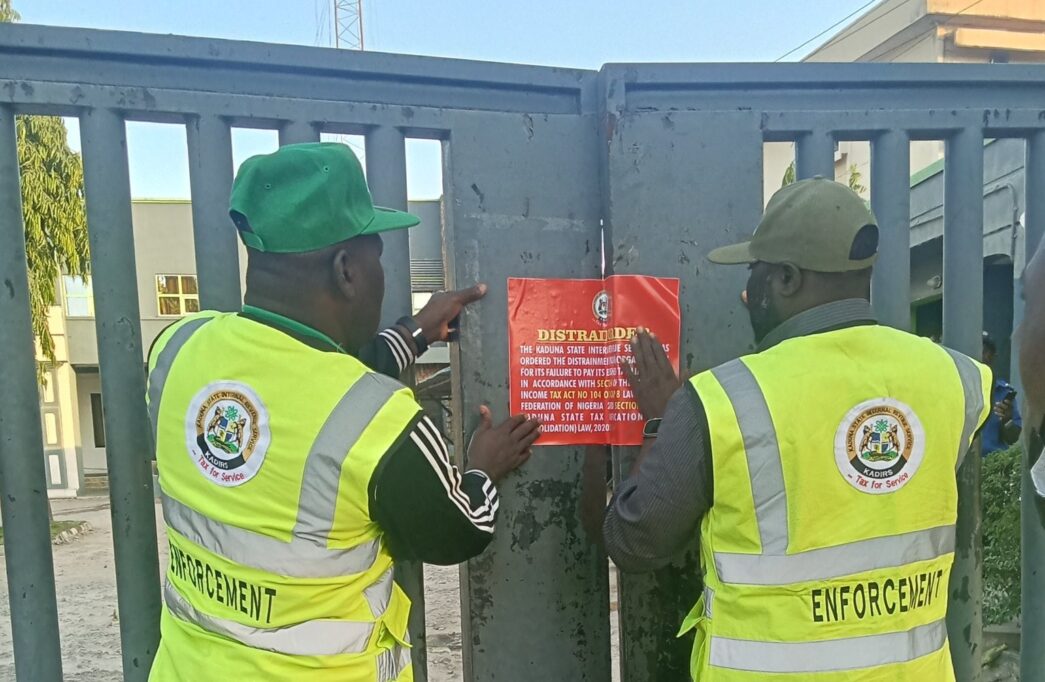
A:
[600,307]
[879,446]
[227,432]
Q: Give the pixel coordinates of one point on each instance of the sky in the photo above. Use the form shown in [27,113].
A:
[572,33]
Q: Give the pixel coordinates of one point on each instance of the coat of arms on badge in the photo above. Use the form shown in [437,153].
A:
[226,431]
[881,442]
[879,446]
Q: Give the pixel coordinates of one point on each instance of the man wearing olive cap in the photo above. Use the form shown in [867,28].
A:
[819,472]
[293,471]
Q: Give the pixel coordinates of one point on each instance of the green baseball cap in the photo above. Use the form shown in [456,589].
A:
[306,197]
[813,224]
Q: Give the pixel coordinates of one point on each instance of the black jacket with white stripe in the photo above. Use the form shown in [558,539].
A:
[428,509]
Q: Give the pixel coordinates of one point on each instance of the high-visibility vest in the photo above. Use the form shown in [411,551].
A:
[828,546]
[265,449]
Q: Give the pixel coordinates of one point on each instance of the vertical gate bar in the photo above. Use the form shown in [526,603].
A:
[723,208]
[891,201]
[210,178]
[386,176]
[128,436]
[296,132]
[540,566]
[962,330]
[1032,656]
[815,155]
[23,483]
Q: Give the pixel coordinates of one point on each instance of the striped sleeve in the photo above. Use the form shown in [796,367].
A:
[428,509]
[388,353]
[401,350]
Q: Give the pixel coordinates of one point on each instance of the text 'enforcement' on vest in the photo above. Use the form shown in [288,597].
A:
[875,597]
[253,601]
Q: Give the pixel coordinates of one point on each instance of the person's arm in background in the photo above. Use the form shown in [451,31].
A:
[393,350]
[428,510]
[1011,422]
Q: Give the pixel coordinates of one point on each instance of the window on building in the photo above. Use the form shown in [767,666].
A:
[79,296]
[177,295]
[98,420]
[50,428]
[49,387]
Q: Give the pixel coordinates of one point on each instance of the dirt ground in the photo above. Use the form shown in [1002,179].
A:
[86,586]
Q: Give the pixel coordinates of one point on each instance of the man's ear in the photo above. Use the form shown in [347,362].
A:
[345,274]
[789,279]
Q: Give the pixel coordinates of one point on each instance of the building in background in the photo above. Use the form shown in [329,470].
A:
[938,31]
[930,31]
[71,401]
[1003,244]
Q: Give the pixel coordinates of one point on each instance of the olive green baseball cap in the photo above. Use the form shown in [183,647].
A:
[814,224]
[306,197]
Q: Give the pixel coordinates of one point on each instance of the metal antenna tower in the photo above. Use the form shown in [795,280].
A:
[348,24]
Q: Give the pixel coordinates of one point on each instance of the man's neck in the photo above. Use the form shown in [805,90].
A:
[303,314]
[849,312]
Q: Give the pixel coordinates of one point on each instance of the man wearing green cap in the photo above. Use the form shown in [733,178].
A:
[292,473]
[819,472]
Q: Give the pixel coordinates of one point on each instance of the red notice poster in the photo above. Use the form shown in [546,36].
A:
[566,338]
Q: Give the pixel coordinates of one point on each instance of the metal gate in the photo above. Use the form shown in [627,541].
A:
[542,166]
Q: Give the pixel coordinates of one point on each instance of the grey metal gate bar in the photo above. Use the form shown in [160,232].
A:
[128,435]
[23,485]
[891,201]
[386,176]
[535,603]
[815,155]
[962,330]
[210,177]
[1032,663]
[295,132]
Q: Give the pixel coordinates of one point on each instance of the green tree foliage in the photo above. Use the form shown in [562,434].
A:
[52,207]
[1001,536]
[855,178]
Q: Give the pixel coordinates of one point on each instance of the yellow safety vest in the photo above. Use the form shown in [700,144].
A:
[265,449]
[828,546]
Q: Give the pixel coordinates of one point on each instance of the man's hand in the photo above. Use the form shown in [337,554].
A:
[652,378]
[442,310]
[499,450]
[1004,410]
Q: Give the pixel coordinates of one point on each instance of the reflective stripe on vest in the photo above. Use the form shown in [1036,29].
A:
[774,566]
[307,554]
[298,558]
[392,662]
[311,638]
[763,453]
[162,368]
[342,429]
[829,655]
[972,384]
[834,562]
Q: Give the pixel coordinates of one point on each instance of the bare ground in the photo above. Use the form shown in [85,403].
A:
[90,630]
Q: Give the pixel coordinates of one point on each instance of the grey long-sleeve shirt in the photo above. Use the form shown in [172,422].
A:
[655,513]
